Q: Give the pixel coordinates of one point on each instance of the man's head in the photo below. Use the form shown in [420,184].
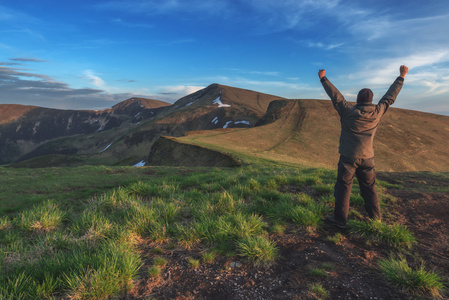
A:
[365,96]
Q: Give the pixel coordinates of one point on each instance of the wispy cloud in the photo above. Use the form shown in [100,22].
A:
[42,90]
[178,91]
[154,7]
[379,71]
[94,79]
[29,87]
[20,22]
[126,80]
[23,59]
[284,15]
[132,24]
[7,63]
[323,45]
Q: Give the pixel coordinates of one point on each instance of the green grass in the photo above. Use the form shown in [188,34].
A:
[75,232]
[44,217]
[69,187]
[394,235]
[417,281]
[318,272]
[193,263]
[160,261]
[336,238]
[154,271]
[322,270]
[259,250]
[5,223]
[208,257]
[318,291]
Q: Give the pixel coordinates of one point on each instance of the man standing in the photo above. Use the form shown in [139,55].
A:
[358,125]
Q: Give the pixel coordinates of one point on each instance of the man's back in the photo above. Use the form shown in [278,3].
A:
[359,122]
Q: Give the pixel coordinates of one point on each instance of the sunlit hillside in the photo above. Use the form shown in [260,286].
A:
[307,132]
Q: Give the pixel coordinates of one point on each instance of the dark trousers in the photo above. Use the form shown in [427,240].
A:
[364,170]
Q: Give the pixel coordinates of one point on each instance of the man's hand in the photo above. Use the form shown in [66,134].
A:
[322,72]
[403,70]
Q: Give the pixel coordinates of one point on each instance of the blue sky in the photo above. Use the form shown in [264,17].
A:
[93,54]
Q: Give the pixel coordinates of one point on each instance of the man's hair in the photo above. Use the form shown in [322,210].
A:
[365,96]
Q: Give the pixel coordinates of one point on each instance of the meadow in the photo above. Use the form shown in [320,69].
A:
[92,232]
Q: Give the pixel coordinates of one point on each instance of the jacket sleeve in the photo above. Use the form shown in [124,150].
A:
[337,98]
[390,96]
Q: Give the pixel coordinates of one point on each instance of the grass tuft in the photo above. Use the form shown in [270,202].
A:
[418,281]
[336,239]
[208,257]
[395,235]
[5,223]
[193,263]
[160,261]
[44,217]
[318,272]
[318,291]
[278,228]
[259,250]
[154,271]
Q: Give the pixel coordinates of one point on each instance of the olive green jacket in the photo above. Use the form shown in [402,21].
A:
[359,122]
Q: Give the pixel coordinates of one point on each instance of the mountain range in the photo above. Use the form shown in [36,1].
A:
[218,125]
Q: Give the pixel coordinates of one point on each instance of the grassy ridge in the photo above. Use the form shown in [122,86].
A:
[68,242]
[306,132]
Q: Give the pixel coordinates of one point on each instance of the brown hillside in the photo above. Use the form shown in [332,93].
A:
[11,112]
[307,132]
[142,102]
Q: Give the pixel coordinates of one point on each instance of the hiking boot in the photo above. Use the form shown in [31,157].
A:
[331,219]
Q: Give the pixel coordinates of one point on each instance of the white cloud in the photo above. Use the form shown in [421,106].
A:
[153,7]
[323,45]
[425,70]
[178,90]
[94,79]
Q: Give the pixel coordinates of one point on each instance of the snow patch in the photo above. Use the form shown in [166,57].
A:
[220,104]
[188,104]
[227,124]
[105,148]
[215,120]
[140,164]
[243,122]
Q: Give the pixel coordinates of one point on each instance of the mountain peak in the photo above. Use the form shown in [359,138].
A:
[139,102]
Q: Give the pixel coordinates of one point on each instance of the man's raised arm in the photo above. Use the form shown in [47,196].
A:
[337,98]
[390,96]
